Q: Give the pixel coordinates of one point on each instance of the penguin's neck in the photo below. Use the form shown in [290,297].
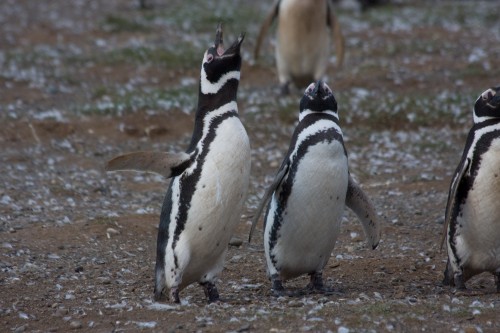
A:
[211,102]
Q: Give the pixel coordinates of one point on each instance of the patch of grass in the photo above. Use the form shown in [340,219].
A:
[184,56]
[394,111]
[100,92]
[205,15]
[114,102]
[116,24]
[104,220]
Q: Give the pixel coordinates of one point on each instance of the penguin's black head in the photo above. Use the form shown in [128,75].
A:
[318,97]
[487,105]
[218,61]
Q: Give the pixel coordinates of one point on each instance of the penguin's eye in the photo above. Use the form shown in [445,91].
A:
[210,58]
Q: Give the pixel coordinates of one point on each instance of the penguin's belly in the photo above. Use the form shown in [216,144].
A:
[478,243]
[313,212]
[303,42]
[216,204]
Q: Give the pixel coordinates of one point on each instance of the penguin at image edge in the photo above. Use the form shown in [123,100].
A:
[472,217]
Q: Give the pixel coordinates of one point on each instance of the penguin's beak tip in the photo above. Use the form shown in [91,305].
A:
[219,36]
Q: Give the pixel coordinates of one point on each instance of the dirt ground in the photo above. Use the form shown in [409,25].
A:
[81,82]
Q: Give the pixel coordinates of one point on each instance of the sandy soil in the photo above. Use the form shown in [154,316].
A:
[81,82]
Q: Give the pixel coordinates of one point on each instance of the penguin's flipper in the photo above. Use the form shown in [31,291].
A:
[165,164]
[269,192]
[265,27]
[337,35]
[360,204]
[452,196]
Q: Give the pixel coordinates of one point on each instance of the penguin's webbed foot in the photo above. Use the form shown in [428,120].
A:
[159,295]
[277,288]
[211,291]
[174,295]
[316,285]
[448,276]
[459,281]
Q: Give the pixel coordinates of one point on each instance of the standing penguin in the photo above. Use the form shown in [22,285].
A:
[209,182]
[308,195]
[472,221]
[303,42]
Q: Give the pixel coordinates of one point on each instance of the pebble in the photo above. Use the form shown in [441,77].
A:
[295,304]
[75,324]
[20,329]
[111,232]
[61,312]
[236,241]
[470,329]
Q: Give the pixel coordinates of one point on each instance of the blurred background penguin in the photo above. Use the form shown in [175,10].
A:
[303,40]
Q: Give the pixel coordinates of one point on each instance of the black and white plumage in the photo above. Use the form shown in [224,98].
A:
[472,218]
[303,40]
[308,195]
[209,182]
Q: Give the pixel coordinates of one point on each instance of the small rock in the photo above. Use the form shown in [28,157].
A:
[20,329]
[470,329]
[61,312]
[75,324]
[79,269]
[23,315]
[295,304]
[245,328]
[235,241]
[343,329]
[111,231]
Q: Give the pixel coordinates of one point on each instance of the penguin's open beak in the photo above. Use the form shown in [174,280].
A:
[495,101]
[492,97]
[219,43]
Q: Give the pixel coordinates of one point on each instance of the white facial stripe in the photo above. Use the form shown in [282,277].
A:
[320,125]
[305,112]
[208,87]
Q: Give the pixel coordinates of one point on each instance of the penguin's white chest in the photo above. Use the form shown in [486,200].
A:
[216,203]
[478,240]
[312,215]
